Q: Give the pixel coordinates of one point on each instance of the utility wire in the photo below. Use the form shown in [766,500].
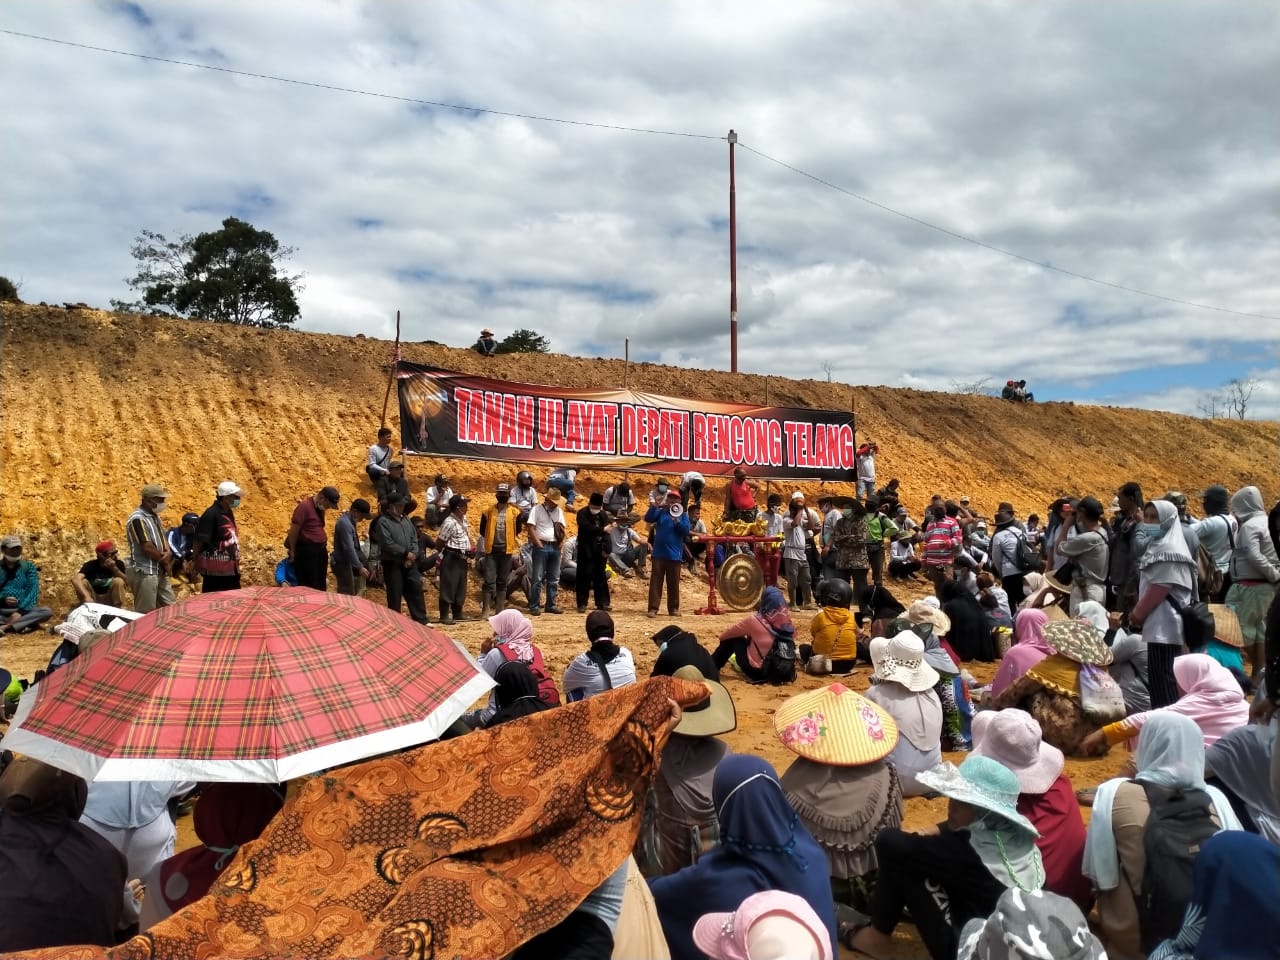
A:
[363,93]
[1000,250]
[666,133]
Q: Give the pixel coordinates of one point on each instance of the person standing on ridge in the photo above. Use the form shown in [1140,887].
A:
[217,546]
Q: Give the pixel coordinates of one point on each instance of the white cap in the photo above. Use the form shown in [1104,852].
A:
[228,488]
[798,495]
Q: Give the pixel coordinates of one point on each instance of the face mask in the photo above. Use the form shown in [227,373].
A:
[1152,530]
[159,507]
[12,558]
[503,497]
[847,514]
[595,510]
[235,503]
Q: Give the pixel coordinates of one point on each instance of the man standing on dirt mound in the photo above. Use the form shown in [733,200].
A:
[149,556]
[217,545]
[546,533]
[671,526]
[308,541]
[399,543]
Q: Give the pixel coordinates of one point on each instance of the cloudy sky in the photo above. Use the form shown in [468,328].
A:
[1133,142]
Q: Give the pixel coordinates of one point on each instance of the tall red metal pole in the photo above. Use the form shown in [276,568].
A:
[733,261]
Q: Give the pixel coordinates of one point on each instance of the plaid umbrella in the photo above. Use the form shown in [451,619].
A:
[260,684]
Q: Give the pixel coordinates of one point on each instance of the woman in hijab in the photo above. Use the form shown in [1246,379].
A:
[749,640]
[516,694]
[1028,649]
[60,883]
[1166,579]
[763,846]
[680,816]
[1171,755]
[1210,696]
[1240,762]
[927,621]
[905,686]
[970,637]
[1232,913]
[957,872]
[512,640]
[840,784]
[880,607]
[226,816]
[604,667]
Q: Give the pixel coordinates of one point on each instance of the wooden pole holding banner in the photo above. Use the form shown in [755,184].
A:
[391,377]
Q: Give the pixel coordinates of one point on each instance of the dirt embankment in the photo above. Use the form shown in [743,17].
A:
[96,404]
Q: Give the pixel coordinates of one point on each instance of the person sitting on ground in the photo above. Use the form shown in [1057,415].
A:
[182,544]
[763,846]
[1129,664]
[767,926]
[840,783]
[1170,763]
[1013,738]
[958,871]
[62,881]
[516,694]
[619,499]
[393,484]
[438,496]
[101,580]
[1009,391]
[1035,925]
[486,346]
[1209,696]
[227,815]
[877,609]
[524,496]
[834,632]
[1023,395]
[19,590]
[903,562]
[628,550]
[1241,762]
[969,636]
[563,479]
[1227,644]
[512,639]
[926,619]
[569,564]
[679,823]
[904,685]
[379,460]
[678,648]
[1050,689]
[1237,877]
[606,666]
[749,640]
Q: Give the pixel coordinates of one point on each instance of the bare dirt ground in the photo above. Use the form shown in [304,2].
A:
[96,404]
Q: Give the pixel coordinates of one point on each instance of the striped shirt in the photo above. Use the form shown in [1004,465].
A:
[143,526]
[941,542]
[453,533]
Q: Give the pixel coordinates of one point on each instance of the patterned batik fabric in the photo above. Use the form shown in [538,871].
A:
[464,848]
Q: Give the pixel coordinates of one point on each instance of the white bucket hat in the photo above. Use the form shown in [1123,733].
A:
[901,659]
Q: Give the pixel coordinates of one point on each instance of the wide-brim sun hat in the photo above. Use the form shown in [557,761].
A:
[1079,641]
[1226,625]
[1055,613]
[842,503]
[770,923]
[900,658]
[715,716]
[921,611]
[980,782]
[836,726]
[1014,738]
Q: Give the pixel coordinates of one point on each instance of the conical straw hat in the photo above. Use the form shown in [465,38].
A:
[836,726]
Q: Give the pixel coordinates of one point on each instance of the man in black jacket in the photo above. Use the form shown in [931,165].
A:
[593,553]
[399,542]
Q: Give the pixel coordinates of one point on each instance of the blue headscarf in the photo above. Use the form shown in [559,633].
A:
[763,847]
[775,615]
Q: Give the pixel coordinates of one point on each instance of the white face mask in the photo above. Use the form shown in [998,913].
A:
[159,507]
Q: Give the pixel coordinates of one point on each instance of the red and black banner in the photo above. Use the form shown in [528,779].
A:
[446,414]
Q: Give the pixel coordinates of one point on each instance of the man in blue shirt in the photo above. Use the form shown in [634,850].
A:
[670,527]
[19,590]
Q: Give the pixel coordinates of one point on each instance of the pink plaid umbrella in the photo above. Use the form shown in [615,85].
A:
[260,684]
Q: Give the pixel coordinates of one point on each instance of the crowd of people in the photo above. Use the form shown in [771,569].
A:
[1150,629]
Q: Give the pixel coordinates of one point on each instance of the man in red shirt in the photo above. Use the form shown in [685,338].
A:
[740,497]
[308,542]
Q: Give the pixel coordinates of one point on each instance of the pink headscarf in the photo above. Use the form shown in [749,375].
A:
[515,630]
[1210,696]
[1029,648]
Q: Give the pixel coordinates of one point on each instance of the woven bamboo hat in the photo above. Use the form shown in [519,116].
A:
[921,611]
[1079,641]
[714,715]
[1226,625]
[836,726]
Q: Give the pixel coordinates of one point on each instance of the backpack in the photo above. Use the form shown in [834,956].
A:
[1178,824]
[1198,625]
[1208,576]
[547,691]
[779,664]
[1025,557]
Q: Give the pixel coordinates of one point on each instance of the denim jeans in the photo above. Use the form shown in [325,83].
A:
[546,567]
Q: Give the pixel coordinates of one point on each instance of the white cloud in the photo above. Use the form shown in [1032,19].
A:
[1114,140]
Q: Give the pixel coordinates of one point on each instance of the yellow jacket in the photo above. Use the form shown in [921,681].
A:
[489,524]
[835,634]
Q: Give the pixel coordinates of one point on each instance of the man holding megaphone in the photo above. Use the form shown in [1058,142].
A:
[670,526]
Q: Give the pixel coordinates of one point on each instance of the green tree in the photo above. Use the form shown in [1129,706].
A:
[9,290]
[232,275]
[524,341]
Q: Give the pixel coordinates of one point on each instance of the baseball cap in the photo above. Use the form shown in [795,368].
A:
[153,490]
[965,498]
[228,488]
[457,500]
[504,488]
[106,546]
[798,495]
[360,505]
[901,511]
[673,494]
[190,518]
[9,542]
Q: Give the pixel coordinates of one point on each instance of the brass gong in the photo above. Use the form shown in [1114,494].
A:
[740,582]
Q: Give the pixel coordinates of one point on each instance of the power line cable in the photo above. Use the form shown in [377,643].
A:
[363,93]
[647,130]
[1000,250]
